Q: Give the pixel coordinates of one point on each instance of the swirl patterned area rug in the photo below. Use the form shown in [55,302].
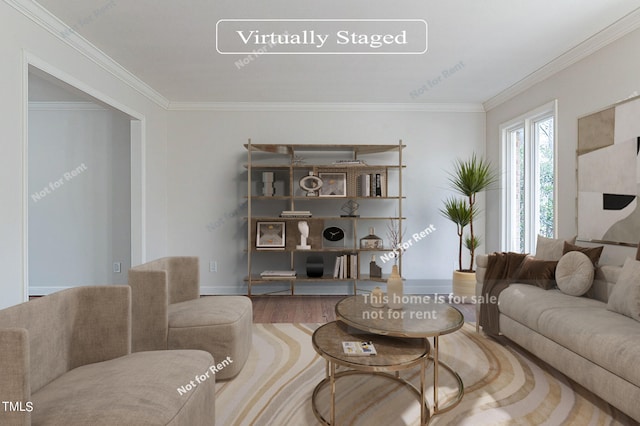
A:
[503,386]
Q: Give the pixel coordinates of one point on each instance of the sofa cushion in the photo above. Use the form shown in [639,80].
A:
[140,389]
[625,297]
[580,324]
[220,325]
[537,272]
[609,273]
[550,248]
[208,310]
[526,303]
[606,338]
[574,273]
[603,282]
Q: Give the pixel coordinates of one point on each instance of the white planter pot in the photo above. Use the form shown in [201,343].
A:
[464,285]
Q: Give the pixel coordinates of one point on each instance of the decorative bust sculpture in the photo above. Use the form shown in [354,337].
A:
[303,227]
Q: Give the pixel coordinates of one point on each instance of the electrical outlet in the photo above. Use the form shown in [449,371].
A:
[116,267]
[213,266]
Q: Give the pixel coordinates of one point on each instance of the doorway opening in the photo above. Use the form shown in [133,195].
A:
[84,185]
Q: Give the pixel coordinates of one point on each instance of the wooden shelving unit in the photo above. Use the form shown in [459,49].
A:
[289,163]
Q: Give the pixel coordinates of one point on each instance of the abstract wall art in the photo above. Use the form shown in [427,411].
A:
[608,175]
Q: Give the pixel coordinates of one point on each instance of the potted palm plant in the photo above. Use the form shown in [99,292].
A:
[468,178]
[457,211]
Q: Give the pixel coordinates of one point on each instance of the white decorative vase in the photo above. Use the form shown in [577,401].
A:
[377,298]
[394,289]
[464,285]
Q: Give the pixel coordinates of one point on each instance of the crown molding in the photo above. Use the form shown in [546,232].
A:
[613,32]
[66,34]
[64,106]
[324,107]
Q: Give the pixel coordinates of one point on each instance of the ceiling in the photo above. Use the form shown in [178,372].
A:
[491,45]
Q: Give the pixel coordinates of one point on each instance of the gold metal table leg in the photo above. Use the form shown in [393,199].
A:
[451,403]
[331,380]
[333,393]
[435,374]
[423,387]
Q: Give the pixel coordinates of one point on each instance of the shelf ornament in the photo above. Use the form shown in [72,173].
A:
[303,227]
[311,184]
[350,208]
[268,190]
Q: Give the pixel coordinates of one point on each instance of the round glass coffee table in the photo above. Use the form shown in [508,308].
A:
[403,335]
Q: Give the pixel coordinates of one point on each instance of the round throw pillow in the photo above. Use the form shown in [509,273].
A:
[574,273]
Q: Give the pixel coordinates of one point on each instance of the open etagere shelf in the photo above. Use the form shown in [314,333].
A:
[291,162]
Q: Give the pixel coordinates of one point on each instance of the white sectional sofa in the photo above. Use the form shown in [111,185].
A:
[578,335]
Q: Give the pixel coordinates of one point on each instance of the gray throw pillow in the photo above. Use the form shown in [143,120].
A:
[625,297]
[574,273]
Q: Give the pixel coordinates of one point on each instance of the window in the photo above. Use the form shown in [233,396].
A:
[528,179]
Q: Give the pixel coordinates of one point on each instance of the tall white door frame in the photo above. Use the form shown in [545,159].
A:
[138,163]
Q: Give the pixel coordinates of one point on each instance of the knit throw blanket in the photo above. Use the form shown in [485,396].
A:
[501,270]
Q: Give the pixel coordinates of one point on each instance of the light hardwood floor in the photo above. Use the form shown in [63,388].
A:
[310,309]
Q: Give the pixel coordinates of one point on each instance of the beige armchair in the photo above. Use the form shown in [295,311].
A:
[65,359]
[168,313]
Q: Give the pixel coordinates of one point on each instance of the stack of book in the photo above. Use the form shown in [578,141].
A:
[370,185]
[350,163]
[346,266]
[277,274]
[295,213]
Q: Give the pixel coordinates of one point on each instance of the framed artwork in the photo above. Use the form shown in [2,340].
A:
[334,184]
[608,178]
[270,235]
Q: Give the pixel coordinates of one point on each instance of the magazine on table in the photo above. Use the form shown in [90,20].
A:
[359,348]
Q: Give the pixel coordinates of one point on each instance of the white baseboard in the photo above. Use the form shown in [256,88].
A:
[341,288]
[43,291]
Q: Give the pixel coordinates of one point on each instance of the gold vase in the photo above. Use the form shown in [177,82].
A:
[394,289]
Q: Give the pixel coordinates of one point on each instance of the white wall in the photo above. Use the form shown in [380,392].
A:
[79,196]
[206,181]
[605,77]
[198,179]
[19,36]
